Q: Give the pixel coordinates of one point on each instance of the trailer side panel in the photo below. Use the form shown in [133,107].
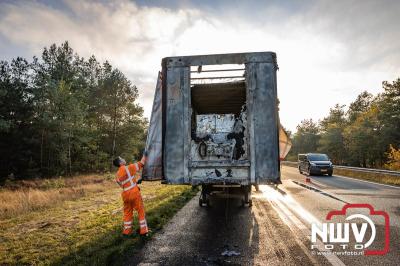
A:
[262,109]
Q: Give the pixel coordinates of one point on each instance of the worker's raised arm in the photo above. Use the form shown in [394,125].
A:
[139,165]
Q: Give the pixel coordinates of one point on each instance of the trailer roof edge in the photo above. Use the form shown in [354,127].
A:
[219,59]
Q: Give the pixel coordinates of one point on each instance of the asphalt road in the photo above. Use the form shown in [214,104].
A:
[276,230]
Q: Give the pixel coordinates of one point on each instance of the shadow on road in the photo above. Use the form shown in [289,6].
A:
[199,236]
[227,226]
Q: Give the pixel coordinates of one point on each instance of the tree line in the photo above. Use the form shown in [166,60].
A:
[62,114]
[366,134]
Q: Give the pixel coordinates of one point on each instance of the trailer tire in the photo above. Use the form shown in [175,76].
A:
[208,205]
[203,199]
[247,198]
[203,196]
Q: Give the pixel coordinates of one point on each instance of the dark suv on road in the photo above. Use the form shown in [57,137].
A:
[315,163]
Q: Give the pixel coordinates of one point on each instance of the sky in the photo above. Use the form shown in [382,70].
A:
[328,51]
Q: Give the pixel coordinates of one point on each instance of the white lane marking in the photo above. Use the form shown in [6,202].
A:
[288,221]
[285,206]
[313,180]
[291,218]
[355,179]
[280,246]
[317,190]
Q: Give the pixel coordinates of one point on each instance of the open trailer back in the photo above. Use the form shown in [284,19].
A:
[215,123]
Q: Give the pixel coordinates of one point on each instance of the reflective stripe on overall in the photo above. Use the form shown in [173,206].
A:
[129,179]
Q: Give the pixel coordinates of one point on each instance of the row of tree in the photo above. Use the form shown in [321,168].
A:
[367,134]
[63,114]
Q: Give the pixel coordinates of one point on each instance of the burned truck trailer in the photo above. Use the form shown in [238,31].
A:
[215,123]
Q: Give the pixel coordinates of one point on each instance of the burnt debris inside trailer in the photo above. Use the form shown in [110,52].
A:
[219,136]
[219,120]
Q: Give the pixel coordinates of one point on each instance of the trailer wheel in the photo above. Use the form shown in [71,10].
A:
[208,202]
[247,198]
[204,197]
[244,202]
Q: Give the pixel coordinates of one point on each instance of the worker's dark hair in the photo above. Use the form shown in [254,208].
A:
[116,162]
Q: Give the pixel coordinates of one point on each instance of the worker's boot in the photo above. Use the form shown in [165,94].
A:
[144,235]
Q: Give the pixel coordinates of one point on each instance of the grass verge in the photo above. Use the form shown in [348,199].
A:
[374,177]
[22,196]
[378,178]
[87,230]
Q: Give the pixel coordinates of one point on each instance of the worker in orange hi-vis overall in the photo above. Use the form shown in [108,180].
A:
[128,179]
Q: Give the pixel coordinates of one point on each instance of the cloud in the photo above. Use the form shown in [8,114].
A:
[368,29]
[131,38]
[328,51]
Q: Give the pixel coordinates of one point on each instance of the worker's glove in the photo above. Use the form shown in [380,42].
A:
[139,181]
[144,158]
[145,153]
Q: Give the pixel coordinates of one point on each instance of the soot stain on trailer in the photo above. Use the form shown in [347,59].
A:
[238,134]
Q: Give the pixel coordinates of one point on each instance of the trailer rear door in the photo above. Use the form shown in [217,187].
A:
[176,147]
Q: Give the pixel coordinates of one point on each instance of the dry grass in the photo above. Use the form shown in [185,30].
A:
[57,182]
[374,177]
[28,195]
[77,225]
